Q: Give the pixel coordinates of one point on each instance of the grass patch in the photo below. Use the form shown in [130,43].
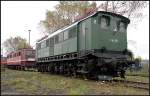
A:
[138,79]
[143,72]
[32,83]
[121,90]
[22,85]
[135,79]
[80,90]
[3,67]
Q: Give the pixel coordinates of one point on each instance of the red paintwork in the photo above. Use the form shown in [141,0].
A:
[3,62]
[21,59]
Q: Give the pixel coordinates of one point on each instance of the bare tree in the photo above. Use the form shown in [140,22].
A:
[16,43]
[130,9]
[127,8]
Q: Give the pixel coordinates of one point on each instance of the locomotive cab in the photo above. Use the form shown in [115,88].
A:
[109,31]
[104,36]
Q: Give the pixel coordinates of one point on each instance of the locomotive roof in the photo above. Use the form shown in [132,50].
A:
[75,23]
[20,50]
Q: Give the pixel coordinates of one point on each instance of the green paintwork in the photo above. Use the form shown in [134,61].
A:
[69,45]
[57,49]
[51,51]
[84,35]
[103,37]
[90,36]
[44,52]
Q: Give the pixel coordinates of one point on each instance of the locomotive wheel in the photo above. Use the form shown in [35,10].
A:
[67,71]
[41,68]
[38,69]
[16,68]
[47,68]
[122,73]
[23,68]
[74,71]
[85,76]
[60,69]
[20,68]
[55,69]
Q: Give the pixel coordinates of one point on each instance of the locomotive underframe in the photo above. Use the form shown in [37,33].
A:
[24,65]
[88,63]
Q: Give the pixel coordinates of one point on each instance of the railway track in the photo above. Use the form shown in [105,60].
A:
[139,85]
[133,84]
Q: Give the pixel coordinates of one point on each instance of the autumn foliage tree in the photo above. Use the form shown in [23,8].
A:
[64,14]
[67,11]
[16,43]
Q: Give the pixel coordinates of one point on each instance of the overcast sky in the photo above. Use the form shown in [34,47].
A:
[17,17]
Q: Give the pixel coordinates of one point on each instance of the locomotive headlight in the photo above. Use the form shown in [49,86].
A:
[94,21]
[114,40]
[115,30]
[31,59]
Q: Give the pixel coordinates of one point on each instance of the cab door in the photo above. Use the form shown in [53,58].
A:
[51,47]
[82,36]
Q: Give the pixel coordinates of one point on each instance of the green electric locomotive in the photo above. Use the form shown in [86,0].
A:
[94,47]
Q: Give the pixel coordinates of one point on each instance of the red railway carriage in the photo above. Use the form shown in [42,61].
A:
[3,60]
[21,59]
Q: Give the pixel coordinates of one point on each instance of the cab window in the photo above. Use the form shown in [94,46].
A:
[11,56]
[72,32]
[39,46]
[116,26]
[52,42]
[47,42]
[30,53]
[122,26]
[43,44]
[66,35]
[60,37]
[19,54]
[105,22]
[56,39]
